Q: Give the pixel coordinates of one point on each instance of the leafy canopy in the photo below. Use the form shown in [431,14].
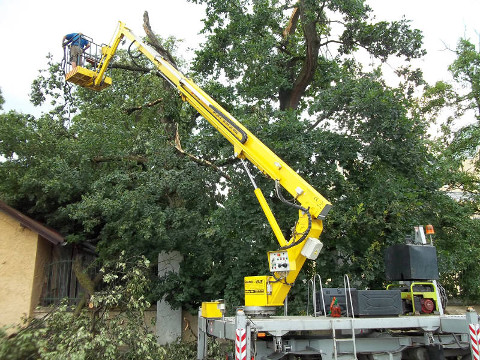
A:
[113,174]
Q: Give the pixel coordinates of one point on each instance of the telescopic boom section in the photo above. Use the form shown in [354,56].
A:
[259,290]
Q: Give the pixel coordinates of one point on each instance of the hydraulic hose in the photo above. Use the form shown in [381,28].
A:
[132,57]
[298,207]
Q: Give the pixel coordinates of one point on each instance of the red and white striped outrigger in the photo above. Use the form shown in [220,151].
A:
[474,330]
[241,344]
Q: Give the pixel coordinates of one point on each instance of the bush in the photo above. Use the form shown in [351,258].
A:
[113,326]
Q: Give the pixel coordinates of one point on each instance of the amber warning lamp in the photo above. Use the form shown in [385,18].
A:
[429,230]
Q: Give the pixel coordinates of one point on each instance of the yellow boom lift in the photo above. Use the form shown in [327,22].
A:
[261,292]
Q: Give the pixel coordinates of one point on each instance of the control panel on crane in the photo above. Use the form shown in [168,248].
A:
[266,291]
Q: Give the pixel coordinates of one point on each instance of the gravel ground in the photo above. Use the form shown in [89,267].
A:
[460,309]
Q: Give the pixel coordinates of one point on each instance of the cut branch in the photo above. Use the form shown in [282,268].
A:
[199,161]
[292,24]
[86,282]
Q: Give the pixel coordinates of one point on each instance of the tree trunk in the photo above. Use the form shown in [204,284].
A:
[290,97]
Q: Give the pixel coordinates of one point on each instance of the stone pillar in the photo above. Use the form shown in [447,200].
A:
[169,321]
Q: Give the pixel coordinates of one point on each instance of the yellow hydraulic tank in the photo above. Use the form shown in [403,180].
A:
[213,309]
[256,291]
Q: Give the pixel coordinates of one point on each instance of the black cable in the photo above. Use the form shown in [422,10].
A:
[133,57]
[67,92]
[280,279]
[298,207]
[276,279]
[64,61]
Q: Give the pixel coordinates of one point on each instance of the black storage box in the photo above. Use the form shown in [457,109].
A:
[378,303]
[411,262]
[329,294]
[365,302]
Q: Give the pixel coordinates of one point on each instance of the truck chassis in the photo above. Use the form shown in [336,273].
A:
[327,338]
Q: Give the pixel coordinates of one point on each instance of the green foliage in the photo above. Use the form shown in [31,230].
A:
[249,43]
[466,71]
[462,98]
[109,175]
[114,329]
[465,68]
[458,165]
[2,100]
[104,168]
[363,144]
[188,351]
[383,39]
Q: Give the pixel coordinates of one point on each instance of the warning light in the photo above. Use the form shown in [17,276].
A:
[429,230]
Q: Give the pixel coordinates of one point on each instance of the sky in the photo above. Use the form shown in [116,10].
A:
[30,29]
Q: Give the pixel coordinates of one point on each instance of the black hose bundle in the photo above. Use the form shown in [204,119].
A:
[298,207]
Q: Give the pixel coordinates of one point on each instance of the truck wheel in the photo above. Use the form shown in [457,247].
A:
[418,353]
[363,357]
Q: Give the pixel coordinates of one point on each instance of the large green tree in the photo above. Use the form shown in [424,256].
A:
[466,73]
[132,168]
[459,136]
[110,172]
[292,70]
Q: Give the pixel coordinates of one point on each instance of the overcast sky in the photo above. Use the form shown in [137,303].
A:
[30,29]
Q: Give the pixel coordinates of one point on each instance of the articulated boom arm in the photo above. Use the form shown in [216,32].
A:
[259,290]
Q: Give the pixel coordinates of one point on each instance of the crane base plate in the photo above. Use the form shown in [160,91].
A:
[260,311]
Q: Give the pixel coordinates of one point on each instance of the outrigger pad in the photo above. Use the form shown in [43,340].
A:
[85,77]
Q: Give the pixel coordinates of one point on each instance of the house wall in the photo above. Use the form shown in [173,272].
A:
[43,255]
[19,270]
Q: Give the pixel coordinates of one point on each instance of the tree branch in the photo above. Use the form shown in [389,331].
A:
[129,67]
[330,42]
[291,97]
[199,161]
[152,39]
[292,24]
[129,111]
[319,120]
[166,54]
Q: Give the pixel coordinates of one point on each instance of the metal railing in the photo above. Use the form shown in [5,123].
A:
[312,284]
[89,57]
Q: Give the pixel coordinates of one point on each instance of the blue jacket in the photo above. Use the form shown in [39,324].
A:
[75,39]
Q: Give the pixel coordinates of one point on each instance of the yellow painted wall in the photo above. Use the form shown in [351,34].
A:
[44,252]
[19,268]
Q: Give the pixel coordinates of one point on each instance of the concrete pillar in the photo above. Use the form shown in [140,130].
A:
[169,321]
[202,341]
